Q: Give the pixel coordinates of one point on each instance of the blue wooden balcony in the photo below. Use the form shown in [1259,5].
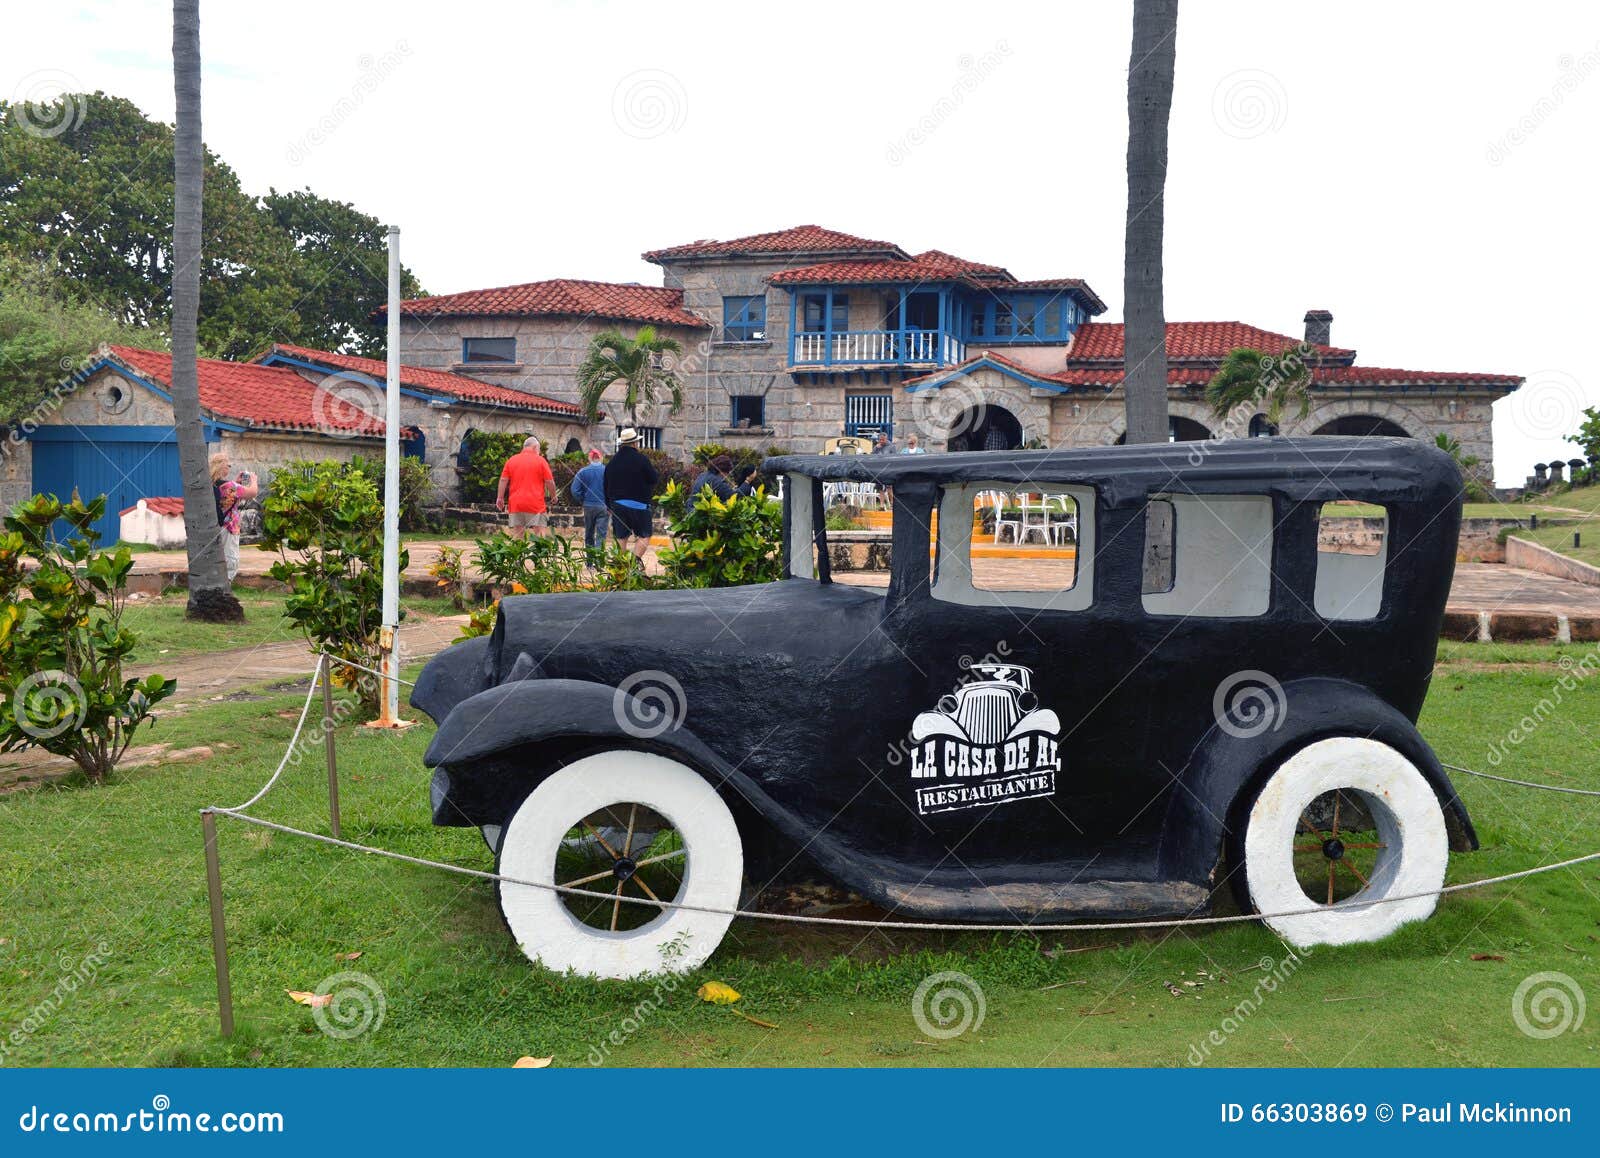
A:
[904,347]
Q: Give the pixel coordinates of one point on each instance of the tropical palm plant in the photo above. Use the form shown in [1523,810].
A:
[1472,485]
[639,362]
[210,593]
[1150,71]
[1248,377]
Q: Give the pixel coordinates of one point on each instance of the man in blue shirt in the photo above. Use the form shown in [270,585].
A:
[589,488]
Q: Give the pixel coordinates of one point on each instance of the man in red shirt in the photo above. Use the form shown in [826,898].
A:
[525,485]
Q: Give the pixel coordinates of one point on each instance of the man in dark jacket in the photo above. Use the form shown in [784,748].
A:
[630,484]
[714,476]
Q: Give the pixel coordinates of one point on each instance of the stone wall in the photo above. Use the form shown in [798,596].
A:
[549,352]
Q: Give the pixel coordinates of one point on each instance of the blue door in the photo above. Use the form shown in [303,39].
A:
[124,463]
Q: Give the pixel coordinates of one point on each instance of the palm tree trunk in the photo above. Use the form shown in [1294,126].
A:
[210,593]
[1150,69]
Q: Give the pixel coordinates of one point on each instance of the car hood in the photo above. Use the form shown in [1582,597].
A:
[566,634]
[727,638]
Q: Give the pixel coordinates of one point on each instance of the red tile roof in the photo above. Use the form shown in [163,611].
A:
[868,273]
[429,381]
[561,297]
[974,269]
[165,505]
[1190,341]
[799,239]
[1110,376]
[263,397]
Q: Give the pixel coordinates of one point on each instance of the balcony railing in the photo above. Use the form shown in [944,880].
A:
[877,348]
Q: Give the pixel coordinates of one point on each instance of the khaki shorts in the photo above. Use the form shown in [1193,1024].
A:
[520,519]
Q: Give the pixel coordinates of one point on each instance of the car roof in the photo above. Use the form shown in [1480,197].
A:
[1369,467]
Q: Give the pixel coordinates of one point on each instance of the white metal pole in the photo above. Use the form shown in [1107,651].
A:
[391,498]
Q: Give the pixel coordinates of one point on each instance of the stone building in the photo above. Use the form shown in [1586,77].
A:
[533,337]
[437,409]
[109,428]
[804,334]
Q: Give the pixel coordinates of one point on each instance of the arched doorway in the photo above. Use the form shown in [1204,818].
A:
[573,447]
[1363,425]
[1179,429]
[1261,427]
[986,427]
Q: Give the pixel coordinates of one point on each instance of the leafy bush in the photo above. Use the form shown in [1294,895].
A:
[669,470]
[537,570]
[486,458]
[723,542]
[62,642]
[451,573]
[535,565]
[326,523]
[416,487]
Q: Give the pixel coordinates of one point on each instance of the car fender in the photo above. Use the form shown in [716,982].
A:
[513,715]
[1207,802]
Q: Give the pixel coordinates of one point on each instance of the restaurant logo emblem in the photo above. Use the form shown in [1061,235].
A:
[989,743]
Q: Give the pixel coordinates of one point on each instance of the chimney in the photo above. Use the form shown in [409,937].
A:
[1319,323]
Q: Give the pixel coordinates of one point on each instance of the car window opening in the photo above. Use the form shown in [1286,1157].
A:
[1222,557]
[1018,545]
[1352,551]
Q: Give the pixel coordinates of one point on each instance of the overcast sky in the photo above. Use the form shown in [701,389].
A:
[1427,172]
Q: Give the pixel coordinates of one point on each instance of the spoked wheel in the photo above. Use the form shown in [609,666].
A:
[1338,848]
[632,826]
[629,849]
[1343,826]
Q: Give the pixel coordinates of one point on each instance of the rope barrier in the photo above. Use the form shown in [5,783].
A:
[1521,783]
[368,670]
[239,814]
[924,926]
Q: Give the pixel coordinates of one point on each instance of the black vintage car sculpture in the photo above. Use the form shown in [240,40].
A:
[1202,698]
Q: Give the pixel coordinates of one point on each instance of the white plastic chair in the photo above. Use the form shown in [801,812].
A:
[997,500]
[1067,521]
[1036,518]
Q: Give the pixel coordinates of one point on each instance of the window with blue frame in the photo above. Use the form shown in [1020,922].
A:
[814,313]
[744,319]
[1023,317]
[488,349]
[748,410]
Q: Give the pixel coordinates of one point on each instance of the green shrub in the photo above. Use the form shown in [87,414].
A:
[416,487]
[723,542]
[451,573]
[62,642]
[486,458]
[535,565]
[669,470]
[326,523]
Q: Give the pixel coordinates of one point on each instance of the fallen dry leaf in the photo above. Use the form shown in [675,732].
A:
[717,993]
[351,956]
[531,1063]
[754,1020]
[315,1000]
[1487,957]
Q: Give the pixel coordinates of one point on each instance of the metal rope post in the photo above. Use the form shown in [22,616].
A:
[323,671]
[219,931]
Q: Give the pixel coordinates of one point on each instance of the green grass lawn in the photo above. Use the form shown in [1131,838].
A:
[121,867]
[164,633]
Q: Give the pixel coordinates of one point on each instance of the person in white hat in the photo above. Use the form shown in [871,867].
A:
[630,484]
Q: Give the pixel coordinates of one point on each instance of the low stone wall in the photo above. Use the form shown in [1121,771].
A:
[1533,557]
[1519,626]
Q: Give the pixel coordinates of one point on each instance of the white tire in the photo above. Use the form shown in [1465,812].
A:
[676,940]
[1409,854]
